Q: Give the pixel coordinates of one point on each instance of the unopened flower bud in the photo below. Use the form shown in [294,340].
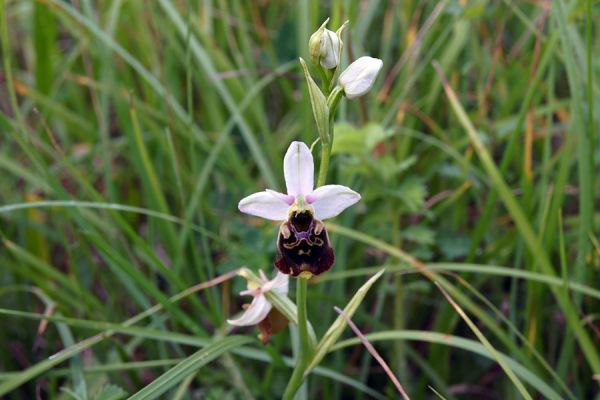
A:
[358,78]
[314,43]
[325,47]
[330,49]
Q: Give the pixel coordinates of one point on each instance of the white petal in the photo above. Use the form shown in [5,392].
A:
[258,311]
[262,275]
[359,77]
[265,205]
[279,284]
[330,200]
[284,197]
[251,292]
[298,169]
[330,49]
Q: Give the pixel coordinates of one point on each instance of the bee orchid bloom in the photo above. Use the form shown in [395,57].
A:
[260,307]
[303,245]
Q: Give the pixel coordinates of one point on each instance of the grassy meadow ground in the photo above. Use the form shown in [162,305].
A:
[129,131]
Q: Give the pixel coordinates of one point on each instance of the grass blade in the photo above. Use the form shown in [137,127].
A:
[460,343]
[190,366]
[338,326]
[531,239]
[487,345]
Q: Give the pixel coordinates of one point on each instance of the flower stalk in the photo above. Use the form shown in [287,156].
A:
[324,166]
[332,102]
[306,351]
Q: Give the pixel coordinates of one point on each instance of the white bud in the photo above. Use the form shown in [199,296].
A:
[325,46]
[359,77]
[330,49]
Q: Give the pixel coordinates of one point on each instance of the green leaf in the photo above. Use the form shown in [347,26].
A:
[349,139]
[453,245]
[497,181]
[419,234]
[336,329]
[412,192]
[110,392]
[489,347]
[475,11]
[319,105]
[44,35]
[189,366]
[459,343]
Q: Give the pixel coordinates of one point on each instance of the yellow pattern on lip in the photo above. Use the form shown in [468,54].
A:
[305,275]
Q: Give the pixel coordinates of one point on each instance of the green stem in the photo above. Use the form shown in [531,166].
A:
[305,347]
[325,78]
[325,153]
[332,102]
[333,99]
[306,350]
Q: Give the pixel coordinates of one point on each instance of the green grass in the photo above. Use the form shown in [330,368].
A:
[130,130]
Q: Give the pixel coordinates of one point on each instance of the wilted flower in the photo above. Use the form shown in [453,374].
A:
[260,306]
[325,47]
[358,78]
[303,245]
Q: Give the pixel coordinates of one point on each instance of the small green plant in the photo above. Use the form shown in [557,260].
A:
[303,248]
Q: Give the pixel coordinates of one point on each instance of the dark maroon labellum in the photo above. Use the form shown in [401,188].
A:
[303,246]
[274,323]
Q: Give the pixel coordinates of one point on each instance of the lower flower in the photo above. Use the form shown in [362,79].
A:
[274,323]
[261,312]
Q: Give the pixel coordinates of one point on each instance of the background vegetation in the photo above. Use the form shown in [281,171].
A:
[131,129]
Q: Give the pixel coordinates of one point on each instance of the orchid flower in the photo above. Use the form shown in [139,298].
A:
[298,167]
[358,78]
[260,306]
[303,245]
